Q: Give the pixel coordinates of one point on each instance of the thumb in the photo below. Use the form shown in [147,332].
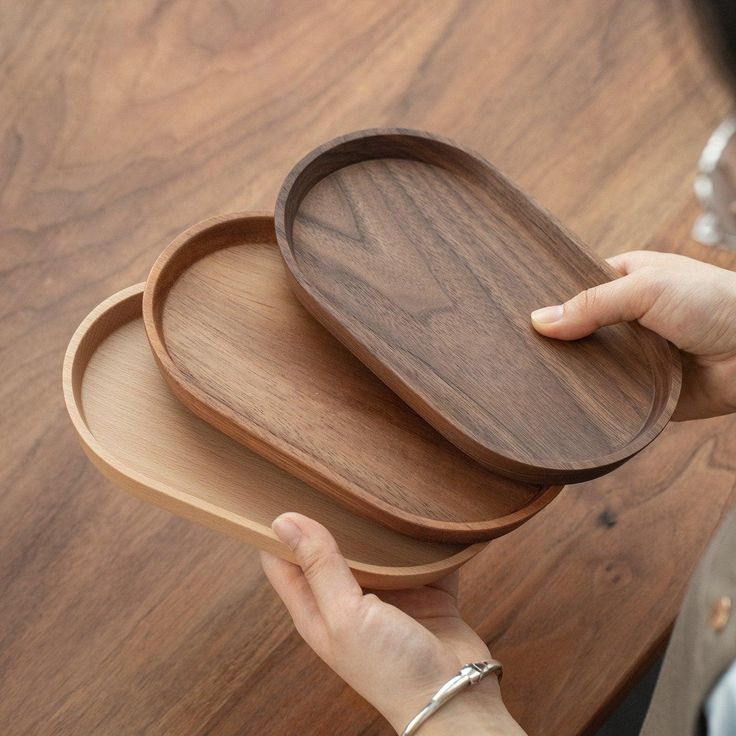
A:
[623,300]
[316,552]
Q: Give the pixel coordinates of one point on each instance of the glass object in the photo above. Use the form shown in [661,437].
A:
[715,187]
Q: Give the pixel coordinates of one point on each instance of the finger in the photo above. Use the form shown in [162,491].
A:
[618,264]
[328,575]
[291,586]
[420,603]
[449,584]
[440,595]
[623,300]
[633,260]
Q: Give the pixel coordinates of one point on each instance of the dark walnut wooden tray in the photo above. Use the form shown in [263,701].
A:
[138,434]
[426,263]
[238,349]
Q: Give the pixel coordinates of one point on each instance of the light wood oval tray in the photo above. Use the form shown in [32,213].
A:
[426,263]
[238,349]
[137,433]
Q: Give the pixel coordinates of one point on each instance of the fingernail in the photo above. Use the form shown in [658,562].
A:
[286,530]
[546,315]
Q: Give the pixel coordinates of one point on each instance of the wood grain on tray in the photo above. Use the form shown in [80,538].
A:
[237,348]
[426,262]
[138,434]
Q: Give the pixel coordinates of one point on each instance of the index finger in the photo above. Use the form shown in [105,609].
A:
[633,260]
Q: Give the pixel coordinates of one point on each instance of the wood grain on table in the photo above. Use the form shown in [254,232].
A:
[125,122]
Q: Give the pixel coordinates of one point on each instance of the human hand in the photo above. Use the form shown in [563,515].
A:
[690,303]
[396,650]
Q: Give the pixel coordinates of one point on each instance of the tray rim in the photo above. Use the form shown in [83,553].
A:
[507,465]
[276,450]
[192,507]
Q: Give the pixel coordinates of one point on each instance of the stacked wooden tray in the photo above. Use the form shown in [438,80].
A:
[406,402]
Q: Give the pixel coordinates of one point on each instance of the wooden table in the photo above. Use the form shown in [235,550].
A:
[125,122]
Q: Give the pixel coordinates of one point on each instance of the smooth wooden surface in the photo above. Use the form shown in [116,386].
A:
[140,436]
[426,262]
[122,123]
[239,350]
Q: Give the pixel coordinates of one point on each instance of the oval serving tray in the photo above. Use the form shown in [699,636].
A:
[238,349]
[137,433]
[426,263]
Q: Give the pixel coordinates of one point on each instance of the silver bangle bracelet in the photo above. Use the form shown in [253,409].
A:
[470,674]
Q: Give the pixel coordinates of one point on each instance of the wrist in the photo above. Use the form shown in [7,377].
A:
[478,709]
